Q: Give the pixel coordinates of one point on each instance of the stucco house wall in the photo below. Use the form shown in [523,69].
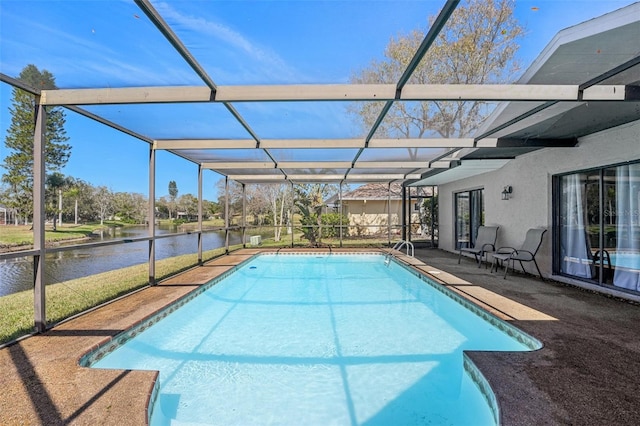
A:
[530,175]
[372,216]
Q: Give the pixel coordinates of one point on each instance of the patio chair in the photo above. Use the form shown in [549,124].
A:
[526,253]
[485,242]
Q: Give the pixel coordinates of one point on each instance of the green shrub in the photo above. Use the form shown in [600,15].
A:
[331,225]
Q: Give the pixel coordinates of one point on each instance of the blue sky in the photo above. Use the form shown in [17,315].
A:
[111,44]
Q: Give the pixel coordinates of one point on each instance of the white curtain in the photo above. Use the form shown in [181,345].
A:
[576,257]
[627,256]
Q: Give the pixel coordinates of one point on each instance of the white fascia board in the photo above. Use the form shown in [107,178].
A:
[129,95]
[600,24]
[302,92]
[311,143]
[466,169]
[487,143]
[239,165]
[178,144]
[441,164]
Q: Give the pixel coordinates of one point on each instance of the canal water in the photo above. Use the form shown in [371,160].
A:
[17,274]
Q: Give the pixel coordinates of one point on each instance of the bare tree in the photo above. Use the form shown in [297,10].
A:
[257,203]
[104,201]
[278,197]
[235,197]
[477,46]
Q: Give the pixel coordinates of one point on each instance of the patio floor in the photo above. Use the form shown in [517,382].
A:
[586,373]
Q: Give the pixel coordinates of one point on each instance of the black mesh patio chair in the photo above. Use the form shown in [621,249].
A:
[526,253]
[485,242]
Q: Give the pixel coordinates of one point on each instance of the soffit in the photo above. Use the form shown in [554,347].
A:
[575,56]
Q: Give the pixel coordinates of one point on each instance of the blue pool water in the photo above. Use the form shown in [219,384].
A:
[316,340]
[626,260]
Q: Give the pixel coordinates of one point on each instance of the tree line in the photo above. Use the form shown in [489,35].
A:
[73,200]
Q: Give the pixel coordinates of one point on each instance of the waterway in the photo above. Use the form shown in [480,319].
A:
[17,274]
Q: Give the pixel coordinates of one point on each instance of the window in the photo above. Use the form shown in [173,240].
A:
[469,208]
[597,225]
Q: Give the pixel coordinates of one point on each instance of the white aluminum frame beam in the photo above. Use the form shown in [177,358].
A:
[253,165]
[128,95]
[302,92]
[257,178]
[380,177]
[178,144]
[391,165]
[317,177]
[333,92]
[311,143]
[314,165]
[324,178]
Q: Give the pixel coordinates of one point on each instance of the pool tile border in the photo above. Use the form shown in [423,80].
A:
[483,386]
[512,331]
[110,344]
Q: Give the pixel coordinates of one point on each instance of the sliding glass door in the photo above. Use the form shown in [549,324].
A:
[598,225]
[469,207]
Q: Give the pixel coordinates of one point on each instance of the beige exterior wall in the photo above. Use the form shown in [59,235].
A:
[372,218]
[530,176]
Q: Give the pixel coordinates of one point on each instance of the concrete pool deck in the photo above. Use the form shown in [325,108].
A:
[587,373]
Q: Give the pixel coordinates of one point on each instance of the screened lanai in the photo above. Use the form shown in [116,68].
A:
[169,77]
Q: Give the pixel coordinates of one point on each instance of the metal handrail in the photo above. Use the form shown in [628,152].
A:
[402,243]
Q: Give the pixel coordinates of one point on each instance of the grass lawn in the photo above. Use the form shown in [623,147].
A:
[12,236]
[22,235]
[68,298]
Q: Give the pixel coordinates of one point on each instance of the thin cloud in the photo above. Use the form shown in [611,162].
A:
[261,58]
[83,60]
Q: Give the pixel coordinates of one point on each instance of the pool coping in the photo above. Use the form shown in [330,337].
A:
[437,279]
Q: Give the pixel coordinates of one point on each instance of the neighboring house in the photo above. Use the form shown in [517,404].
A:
[376,208]
[574,168]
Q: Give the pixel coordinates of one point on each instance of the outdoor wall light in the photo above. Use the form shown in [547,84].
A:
[506,192]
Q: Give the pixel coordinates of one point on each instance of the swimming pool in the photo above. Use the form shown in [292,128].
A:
[629,260]
[319,339]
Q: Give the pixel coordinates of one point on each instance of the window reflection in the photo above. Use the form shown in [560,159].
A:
[599,226]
